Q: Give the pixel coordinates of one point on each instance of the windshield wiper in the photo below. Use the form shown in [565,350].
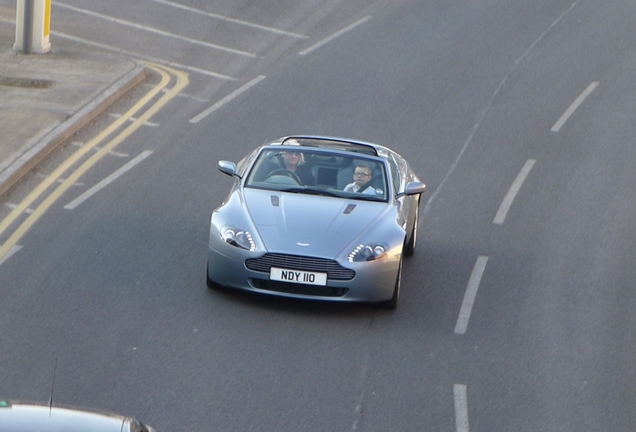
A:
[365,197]
[310,191]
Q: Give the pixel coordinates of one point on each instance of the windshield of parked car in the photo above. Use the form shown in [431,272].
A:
[313,171]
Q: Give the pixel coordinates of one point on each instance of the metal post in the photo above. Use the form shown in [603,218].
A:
[27,34]
[32,26]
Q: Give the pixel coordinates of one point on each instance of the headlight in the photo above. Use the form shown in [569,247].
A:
[237,237]
[367,252]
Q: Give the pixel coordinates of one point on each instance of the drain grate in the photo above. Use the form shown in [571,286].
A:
[25,82]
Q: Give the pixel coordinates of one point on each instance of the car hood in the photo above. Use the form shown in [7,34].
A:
[314,225]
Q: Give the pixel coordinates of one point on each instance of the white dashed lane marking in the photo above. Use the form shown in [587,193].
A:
[500,217]
[226,99]
[577,103]
[471,293]
[108,180]
[335,35]
[461,407]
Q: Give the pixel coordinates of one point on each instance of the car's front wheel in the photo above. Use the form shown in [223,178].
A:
[409,247]
[392,303]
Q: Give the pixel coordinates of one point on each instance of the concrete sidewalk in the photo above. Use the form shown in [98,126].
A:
[45,98]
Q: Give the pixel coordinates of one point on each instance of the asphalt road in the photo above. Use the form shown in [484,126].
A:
[518,309]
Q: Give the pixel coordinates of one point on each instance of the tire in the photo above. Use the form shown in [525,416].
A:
[392,303]
[409,247]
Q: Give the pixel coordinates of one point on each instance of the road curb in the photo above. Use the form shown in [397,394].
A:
[45,145]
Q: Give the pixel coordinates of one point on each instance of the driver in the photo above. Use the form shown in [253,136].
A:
[294,162]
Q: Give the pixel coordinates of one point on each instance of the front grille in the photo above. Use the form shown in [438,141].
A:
[295,262]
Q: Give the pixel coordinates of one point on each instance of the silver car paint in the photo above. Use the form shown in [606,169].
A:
[319,223]
[21,416]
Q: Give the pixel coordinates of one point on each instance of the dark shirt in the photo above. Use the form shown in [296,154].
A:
[304,173]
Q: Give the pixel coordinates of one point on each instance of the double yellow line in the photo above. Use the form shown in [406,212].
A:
[40,189]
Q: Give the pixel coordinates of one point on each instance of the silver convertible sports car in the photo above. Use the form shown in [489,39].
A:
[316,218]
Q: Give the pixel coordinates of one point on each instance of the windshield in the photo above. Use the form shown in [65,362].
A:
[319,172]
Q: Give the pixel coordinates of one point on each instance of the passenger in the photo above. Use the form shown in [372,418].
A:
[361,181]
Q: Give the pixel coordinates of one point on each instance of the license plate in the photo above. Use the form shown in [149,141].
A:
[298,276]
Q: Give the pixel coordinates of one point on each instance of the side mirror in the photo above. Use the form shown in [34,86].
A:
[414,188]
[227,167]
